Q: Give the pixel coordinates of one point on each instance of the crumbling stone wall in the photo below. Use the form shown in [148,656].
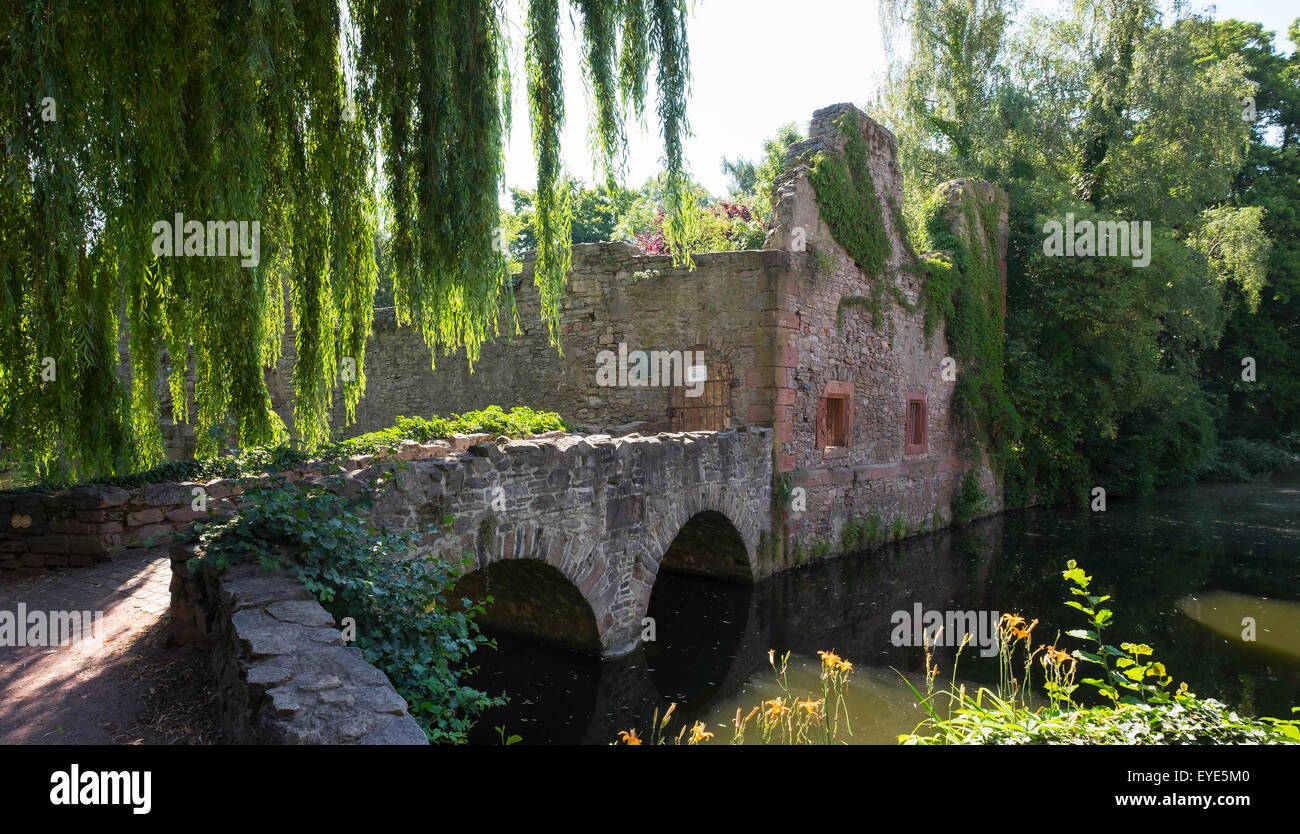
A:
[615,295]
[842,351]
[78,527]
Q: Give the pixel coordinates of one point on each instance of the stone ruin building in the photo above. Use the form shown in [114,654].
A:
[861,409]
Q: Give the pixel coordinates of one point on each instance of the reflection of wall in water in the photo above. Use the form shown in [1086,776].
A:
[845,604]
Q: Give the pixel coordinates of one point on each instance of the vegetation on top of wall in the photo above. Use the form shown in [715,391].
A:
[404,624]
[847,197]
[254,461]
[964,288]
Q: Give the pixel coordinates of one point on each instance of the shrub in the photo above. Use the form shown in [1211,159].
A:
[969,501]
[859,533]
[404,624]
[1240,459]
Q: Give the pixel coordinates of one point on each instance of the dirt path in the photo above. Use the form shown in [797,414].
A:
[128,689]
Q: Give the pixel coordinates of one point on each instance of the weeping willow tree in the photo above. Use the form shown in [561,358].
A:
[316,120]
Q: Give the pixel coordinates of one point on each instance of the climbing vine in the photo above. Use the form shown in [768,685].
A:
[847,197]
[875,303]
[850,205]
[119,116]
[964,289]
[961,283]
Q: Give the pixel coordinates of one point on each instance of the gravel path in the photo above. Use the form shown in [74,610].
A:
[128,689]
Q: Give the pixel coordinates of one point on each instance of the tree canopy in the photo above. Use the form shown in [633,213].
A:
[318,120]
[1121,375]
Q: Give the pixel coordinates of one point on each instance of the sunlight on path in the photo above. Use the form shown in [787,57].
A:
[82,693]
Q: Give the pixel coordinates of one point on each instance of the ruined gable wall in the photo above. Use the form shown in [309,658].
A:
[841,350]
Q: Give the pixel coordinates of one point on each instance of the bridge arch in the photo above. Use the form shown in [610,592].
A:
[708,545]
[532,599]
[720,515]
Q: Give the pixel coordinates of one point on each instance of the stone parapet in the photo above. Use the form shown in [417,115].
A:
[283,672]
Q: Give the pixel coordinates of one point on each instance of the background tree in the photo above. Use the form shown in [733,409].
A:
[751,182]
[1110,111]
[1263,314]
[941,93]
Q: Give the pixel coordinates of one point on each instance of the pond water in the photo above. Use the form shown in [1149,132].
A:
[1184,568]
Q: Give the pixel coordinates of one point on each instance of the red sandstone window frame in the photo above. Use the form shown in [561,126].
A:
[916,420]
[835,416]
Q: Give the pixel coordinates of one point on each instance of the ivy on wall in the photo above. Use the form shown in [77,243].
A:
[846,195]
[851,206]
[963,288]
[961,284]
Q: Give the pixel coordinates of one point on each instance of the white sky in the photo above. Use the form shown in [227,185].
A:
[755,65]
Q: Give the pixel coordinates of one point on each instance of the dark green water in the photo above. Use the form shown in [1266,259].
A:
[1183,567]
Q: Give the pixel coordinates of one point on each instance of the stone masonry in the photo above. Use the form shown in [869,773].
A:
[599,512]
[284,674]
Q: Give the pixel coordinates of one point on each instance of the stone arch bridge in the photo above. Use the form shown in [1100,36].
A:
[568,533]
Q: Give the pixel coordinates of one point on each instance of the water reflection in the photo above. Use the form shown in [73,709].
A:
[1183,568]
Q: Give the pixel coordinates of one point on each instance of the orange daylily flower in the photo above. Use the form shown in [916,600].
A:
[775,708]
[810,707]
[1013,620]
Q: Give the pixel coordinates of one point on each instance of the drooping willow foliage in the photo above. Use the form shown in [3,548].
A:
[318,120]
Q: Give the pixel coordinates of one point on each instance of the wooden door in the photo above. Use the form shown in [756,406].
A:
[711,411]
